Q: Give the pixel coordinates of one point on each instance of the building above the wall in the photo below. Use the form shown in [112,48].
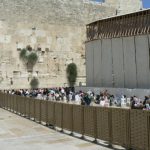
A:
[118,51]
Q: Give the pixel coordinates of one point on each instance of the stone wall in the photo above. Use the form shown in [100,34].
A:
[57,27]
[125,6]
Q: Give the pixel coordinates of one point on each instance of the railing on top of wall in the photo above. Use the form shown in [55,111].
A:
[128,128]
[120,26]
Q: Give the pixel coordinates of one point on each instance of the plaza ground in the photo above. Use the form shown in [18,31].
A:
[18,133]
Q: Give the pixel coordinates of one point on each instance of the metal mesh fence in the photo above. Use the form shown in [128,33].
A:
[44,111]
[129,128]
[78,119]
[50,113]
[67,117]
[37,110]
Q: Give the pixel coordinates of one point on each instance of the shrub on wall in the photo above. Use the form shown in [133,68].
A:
[32,58]
[34,83]
[23,54]
[71,74]
[29,58]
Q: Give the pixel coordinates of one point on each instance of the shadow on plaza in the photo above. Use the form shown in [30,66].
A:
[85,138]
[76,135]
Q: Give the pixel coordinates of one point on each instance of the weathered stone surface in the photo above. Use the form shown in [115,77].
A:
[57,27]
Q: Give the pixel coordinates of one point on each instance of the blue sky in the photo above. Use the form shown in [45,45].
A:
[146,3]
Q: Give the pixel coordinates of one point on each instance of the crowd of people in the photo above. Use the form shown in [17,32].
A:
[89,98]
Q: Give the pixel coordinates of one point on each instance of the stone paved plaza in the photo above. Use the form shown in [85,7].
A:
[18,133]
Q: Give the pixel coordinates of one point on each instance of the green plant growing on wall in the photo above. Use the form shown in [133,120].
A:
[28,57]
[34,83]
[32,59]
[71,74]
[23,54]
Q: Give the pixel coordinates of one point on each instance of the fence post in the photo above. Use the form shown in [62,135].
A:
[61,118]
[13,104]
[128,131]
[28,110]
[40,112]
[4,101]
[46,112]
[82,137]
[1,100]
[54,117]
[95,125]
[17,104]
[34,110]
[24,107]
[71,120]
[110,127]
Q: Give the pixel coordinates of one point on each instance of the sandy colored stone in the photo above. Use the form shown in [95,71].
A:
[17,132]
[59,141]
[84,145]
[55,26]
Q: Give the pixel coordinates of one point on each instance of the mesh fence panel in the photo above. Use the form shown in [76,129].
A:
[12,102]
[58,114]
[9,102]
[27,101]
[38,110]
[15,103]
[103,130]
[22,107]
[67,117]
[120,121]
[78,118]
[32,107]
[89,121]
[5,101]
[44,111]
[51,112]
[19,100]
[139,129]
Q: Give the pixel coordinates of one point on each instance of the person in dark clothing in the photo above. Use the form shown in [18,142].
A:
[67,90]
[87,100]
[145,100]
[132,103]
[111,98]
[97,99]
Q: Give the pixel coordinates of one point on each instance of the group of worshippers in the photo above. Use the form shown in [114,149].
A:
[89,98]
[137,103]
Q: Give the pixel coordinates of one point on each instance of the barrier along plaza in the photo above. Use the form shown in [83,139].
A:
[125,127]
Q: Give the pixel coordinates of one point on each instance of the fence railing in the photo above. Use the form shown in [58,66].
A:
[120,26]
[128,128]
